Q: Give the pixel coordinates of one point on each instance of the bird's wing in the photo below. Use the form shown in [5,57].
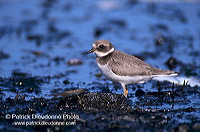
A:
[128,65]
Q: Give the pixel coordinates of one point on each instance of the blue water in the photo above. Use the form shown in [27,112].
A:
[132,28]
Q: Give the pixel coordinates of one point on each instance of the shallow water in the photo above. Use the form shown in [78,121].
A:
[39,38]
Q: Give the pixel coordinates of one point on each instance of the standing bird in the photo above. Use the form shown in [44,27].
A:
[124,68]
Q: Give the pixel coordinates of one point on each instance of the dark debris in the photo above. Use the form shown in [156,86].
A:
[21,83]
[4,55]
[110,111]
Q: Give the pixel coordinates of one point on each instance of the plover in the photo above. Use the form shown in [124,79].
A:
[124,68]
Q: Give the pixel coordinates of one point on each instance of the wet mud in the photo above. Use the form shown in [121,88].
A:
[44,69]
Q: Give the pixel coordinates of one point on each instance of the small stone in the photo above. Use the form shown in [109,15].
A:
[139,93]
[171,63]
[75,62]
[98,32]
[196,126]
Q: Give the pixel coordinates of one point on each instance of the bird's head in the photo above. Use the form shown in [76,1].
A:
[101,48]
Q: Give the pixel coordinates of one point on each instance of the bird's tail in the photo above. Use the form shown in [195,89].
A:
[166,73]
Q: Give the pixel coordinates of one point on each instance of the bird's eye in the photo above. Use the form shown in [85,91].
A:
[101,46]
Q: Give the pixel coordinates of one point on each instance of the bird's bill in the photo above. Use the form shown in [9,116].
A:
[91,51]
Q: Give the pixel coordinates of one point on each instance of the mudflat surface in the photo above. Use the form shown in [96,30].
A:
[49,82]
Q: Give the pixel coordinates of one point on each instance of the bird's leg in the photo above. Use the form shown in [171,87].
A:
[125,89]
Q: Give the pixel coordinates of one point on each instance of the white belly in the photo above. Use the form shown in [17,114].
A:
[122,79]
